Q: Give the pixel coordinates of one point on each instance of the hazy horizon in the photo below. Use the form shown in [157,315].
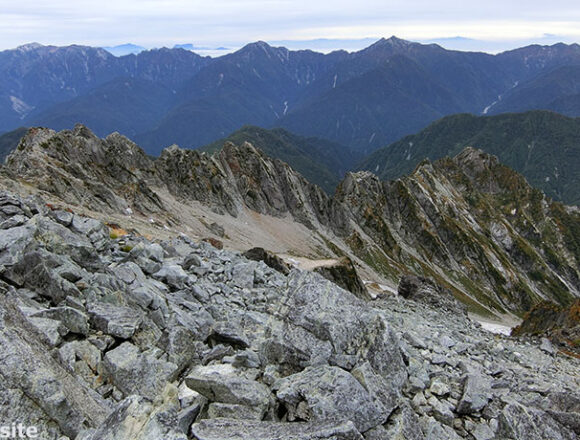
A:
[493,26]
[324,45]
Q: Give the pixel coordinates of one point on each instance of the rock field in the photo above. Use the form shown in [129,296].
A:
[117,337]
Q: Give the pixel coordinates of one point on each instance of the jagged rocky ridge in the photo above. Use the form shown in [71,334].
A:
[469,222]
[124,338]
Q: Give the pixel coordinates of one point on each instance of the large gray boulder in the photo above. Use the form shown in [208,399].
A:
[120,322]
[225,384]
[343,273]
[135,418]
[320,393]
[519,422]
[134,372]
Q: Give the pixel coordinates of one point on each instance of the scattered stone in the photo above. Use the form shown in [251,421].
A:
[439,388]
[476,394]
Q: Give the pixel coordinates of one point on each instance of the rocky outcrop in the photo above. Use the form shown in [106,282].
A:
[561,325]
[271,259]
[471,224]
[124,338]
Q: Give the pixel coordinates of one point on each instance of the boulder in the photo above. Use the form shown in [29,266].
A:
[344,274]
[224,383]
[519,422]
[476,393]
[425,290]
[119,322]
[134,372]
[137,419]
[74,320]
[320,393]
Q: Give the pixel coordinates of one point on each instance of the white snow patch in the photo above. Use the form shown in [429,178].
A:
[285,107]
[372,138]
[275,112]
[498,329]
[486,110]
[547,178]
[293,262]
[20,107]
[377,169]
[335,78]
[221,79]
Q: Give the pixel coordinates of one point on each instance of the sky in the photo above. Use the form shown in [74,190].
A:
[490,25]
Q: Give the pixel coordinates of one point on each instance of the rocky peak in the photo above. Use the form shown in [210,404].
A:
[476,164]
[29,47]
[359,185]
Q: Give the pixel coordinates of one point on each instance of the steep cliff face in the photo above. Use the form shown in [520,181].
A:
[474,225]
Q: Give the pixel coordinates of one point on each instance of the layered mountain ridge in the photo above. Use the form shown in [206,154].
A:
[362,100]
[541,145]
[469,222]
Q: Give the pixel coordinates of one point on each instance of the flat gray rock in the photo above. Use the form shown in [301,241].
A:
[224,429]
[224,383]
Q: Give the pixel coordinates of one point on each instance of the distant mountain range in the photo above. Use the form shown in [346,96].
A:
[541,145]
[363,100]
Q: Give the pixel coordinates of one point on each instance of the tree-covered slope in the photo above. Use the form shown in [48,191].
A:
[322,162]
[541,145]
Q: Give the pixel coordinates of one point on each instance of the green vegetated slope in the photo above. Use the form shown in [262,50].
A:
[541,145]
[321,161]
[557,90]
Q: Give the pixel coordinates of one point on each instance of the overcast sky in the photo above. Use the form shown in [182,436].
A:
[493,24]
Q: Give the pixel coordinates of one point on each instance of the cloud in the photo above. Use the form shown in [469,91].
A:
[233,22]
